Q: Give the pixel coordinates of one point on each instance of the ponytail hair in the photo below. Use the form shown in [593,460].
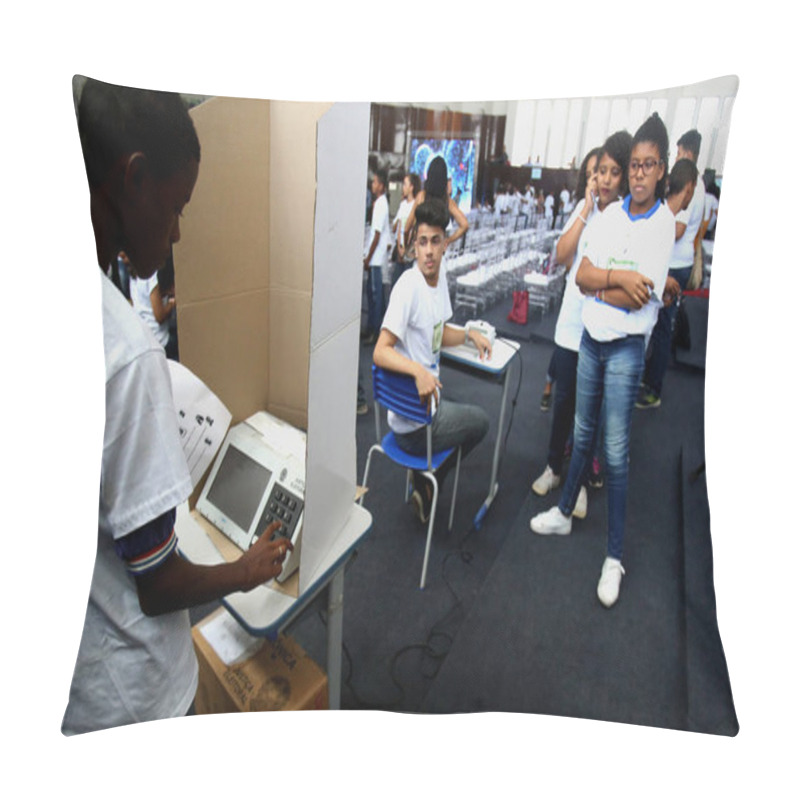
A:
[654,131]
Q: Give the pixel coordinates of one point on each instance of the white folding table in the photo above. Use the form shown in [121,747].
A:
[497,368]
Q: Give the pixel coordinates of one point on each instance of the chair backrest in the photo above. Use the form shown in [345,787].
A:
[398,393]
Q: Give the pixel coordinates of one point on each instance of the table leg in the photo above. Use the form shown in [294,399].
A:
[335,620]
[493,485]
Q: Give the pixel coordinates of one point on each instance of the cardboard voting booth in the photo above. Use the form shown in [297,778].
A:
[268,276]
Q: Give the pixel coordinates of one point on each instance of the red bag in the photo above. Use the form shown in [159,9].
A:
[519,308]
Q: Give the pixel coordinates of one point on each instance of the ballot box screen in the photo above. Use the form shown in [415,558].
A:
[238,487]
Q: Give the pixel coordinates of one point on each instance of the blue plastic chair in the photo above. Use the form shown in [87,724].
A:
[398,393]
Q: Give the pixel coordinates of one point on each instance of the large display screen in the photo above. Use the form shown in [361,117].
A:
[238,487]
[459,155]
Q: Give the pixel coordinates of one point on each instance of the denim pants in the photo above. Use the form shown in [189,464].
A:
[661,339]
[610,372]
[564,366]
[374,299]
[453,424]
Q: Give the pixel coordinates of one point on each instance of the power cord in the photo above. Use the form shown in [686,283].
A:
[435,647]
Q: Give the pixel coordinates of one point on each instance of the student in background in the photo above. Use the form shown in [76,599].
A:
[436,188]
[153,307]
[376,259]
[403,258]
[603,178]
[688,223]
[624,270]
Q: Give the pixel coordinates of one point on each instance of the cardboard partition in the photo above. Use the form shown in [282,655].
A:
[268,277]
[342,140]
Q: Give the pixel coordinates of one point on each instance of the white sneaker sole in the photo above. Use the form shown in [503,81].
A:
[582,505]
[608,586]
[542,488]
[548,528]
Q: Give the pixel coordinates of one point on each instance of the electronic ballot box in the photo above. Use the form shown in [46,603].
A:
[258,477]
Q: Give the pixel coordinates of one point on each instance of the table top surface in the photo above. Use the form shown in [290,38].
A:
[266,610]
[503,351]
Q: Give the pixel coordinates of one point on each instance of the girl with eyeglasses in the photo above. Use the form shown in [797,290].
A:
[623,272]
[603,179]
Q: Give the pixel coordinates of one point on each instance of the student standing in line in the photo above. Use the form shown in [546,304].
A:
[586,174]
[603,180]
[376,259]
[153,308]
[436,188]
[624,269]
[404,258]
[688,223]
[136,660]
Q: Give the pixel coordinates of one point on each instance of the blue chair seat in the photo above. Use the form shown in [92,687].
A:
[409,461]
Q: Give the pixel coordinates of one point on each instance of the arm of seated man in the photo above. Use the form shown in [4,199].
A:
[166,582]
[452,336]
[385,356]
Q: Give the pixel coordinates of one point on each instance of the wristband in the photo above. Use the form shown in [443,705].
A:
[582,220]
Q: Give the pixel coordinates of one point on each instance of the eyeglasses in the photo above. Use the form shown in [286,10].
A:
[647,166]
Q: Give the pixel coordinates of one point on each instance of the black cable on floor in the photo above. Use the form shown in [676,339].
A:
[428,646]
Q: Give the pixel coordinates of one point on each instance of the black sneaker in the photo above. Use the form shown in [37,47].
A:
[422,499]
[595,479]
[647,398]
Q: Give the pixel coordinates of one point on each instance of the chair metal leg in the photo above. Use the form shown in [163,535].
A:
[455,490]
[366,469]
[430,528]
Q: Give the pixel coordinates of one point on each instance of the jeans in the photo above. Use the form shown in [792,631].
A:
[453,424]
[661,339]
[565,365]
[374,300]
[608,371]
[398,268]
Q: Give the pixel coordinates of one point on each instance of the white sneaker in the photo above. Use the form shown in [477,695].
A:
[610,579]
[581,505]
[552,521]
[545,482]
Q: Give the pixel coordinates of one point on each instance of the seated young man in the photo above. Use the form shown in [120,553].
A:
[413,333]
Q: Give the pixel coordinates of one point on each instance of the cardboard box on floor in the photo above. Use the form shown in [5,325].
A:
[268,284]
[279,676]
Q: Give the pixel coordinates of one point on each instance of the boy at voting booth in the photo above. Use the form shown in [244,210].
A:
[136,660]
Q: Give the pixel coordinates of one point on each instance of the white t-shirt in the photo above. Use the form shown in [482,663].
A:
[642,243]
[140,297]
[548,205]
[569,326]
[417,315]
[131,667]
[403,210]
[381,224]
[692,217]
[711,210]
